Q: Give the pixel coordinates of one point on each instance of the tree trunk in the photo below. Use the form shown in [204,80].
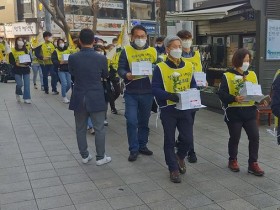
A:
[163,23]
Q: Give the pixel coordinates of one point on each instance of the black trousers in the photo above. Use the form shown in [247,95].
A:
[252,131]
[117,92]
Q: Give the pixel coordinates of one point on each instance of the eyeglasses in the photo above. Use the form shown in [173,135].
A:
[140,37]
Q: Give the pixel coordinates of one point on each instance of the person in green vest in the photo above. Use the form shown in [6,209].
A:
[275,104]
[43,53]
[60,61]
[240,113]
[21,70]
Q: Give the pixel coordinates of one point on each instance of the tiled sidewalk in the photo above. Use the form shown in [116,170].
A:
[40,167]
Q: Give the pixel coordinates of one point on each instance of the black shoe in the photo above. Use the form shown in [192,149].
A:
[175,177]
[46,91]
[114,111]
[192,157]
[133,156]
[182,165]
[55,92]
[145,151]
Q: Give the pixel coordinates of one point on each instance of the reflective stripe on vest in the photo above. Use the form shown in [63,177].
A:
[251,77]
[196,61]
[133,55]
[184,78]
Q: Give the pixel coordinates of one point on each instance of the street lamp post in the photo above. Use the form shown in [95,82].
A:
[128,17]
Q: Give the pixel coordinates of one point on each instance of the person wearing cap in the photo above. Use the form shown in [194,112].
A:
[138,94]
[172,118]
[43,53]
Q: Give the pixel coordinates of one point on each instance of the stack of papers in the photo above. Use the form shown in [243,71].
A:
[252,92]
[65,57]
[200,78]
[142,68]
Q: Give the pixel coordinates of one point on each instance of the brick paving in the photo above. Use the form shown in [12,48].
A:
[40,167]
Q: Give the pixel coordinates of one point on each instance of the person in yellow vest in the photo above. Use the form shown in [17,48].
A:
[138,94]
[114,77]
[36,68]
[43,53]
[21,70]
[3,56]
[240,113]
[275,104]
[172,118]
[60,61]
[194,57]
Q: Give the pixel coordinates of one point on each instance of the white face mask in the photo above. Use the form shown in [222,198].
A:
[20,44]
[159,45]
[176,53]
[100,52]
[1,40]
[50,39]
[61,45]
[140,42]
[187,43]
[245,66]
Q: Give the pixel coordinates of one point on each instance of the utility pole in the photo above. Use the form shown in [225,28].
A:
[187,5]
[128,15]
[48,18]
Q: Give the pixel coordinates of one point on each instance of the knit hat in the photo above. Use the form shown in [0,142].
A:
[169,39]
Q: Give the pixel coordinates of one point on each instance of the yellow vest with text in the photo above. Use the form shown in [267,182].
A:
[2,51]
[34,58]
[251,77]
[184,78]
[115,62]
[276,119]
[16,54]
[196,61]
[60,53]
[47,50]
[133,55]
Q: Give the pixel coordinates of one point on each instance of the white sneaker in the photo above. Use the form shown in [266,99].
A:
[103,161]
[65,100]
[92,131]
[27,101]
[85,160]
[18,98]
[106,123]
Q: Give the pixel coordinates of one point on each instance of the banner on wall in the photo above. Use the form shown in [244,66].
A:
[272,41]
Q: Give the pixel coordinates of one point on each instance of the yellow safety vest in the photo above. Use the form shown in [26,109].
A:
[276,119]
[34,58]
[60,53]
[17,53]
[184,78]
[251,77]
[196,61]
[115,61]
[47,50]
[133,55]
[73,50]
[2,51]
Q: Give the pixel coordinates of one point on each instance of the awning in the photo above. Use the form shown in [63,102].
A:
[204,14]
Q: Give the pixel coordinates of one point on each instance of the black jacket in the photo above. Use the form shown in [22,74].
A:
[234,114]
[275,105]
[18,69]
[56,62]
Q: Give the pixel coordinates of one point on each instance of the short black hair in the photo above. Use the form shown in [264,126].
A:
[138,27]
[184,34]
[47,34]
[238,57]
[160,39]
[86,36]
[115,40]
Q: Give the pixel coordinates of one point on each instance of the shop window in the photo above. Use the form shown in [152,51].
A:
[141,11]
[77,10]
[218,52]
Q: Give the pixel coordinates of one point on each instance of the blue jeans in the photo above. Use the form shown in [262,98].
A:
[65,79]
[46,70]
[25,83]
[37,69]
[137,114]
[89,123]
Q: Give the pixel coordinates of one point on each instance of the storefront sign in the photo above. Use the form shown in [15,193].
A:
[9,31]
[109,25]
[273,37]
[77,2]
[24,29]
[150,27]
[111,5]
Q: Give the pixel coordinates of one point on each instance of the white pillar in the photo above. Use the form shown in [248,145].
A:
[187,5]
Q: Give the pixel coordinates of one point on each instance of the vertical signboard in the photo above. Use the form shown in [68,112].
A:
[272,40]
